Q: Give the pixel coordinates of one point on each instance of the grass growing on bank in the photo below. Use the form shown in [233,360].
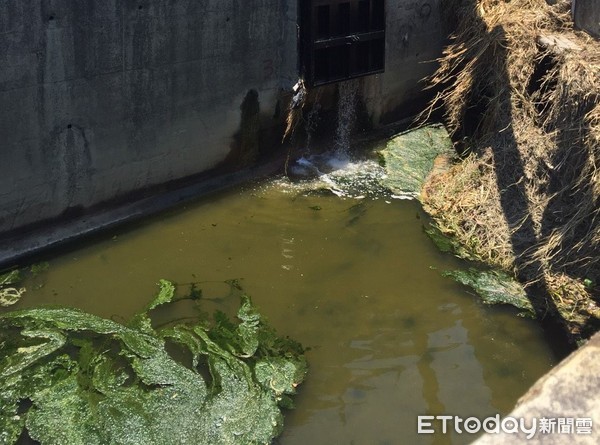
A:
[520,89]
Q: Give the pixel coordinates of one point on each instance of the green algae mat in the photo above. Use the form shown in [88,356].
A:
[494,287]
[409,158]
[9,292]
[68,377]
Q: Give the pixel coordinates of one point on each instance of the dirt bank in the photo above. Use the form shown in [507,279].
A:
[520,89]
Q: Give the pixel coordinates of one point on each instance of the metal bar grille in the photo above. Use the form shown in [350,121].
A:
[341,39]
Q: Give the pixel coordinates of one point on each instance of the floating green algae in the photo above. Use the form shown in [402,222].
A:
[409,158]
[69,377]
[494,287]
[447,244]
[10,293]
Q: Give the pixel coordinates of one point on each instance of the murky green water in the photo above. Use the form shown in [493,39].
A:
[356,280]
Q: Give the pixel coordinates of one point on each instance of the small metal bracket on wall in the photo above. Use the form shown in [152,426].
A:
[341,39]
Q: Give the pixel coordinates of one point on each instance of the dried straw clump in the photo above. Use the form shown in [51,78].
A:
[520,89]
[471,217]
[573,303]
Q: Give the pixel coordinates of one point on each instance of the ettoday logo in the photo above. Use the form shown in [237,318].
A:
[509,425]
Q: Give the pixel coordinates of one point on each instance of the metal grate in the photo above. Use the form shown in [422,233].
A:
[341,39]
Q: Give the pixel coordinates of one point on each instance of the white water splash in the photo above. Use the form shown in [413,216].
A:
[342,176]
[335,170]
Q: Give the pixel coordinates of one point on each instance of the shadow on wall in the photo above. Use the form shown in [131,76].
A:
[245,146]
[69,155]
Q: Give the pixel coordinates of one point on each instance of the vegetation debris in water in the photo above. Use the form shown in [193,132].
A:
[10,292]
[39,268]
[69,377]
[410,157]
[448,244]
[494,287]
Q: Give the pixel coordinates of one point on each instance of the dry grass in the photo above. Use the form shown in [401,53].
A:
[520,88]
[573,302]
[469,216]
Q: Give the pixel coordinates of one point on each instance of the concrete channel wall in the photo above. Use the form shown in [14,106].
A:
[586,14]
[100,99]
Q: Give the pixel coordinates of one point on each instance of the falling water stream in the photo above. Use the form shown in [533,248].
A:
[339,265]
[338,157]
[346,117]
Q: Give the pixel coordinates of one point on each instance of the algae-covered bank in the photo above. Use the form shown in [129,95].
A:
[70,377]
[519,88]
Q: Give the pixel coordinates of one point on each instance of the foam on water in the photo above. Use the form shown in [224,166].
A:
[336,170]
[338,173]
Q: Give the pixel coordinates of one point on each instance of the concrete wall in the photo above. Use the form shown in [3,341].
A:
[414,40]
[586,14]
[569,391]
[99,99]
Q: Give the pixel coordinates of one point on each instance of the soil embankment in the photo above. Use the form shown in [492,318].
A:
[519,89]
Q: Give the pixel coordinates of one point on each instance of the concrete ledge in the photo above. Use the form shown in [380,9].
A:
[19,247]
[569,391]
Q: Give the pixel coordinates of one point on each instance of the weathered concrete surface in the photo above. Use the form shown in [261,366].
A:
[569,391]
[101,99]
[414,40]
[586,14]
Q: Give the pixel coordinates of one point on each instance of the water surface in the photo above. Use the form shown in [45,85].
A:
[355,280]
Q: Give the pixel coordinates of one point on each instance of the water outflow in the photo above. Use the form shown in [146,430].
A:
[346,116]
[334,169]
